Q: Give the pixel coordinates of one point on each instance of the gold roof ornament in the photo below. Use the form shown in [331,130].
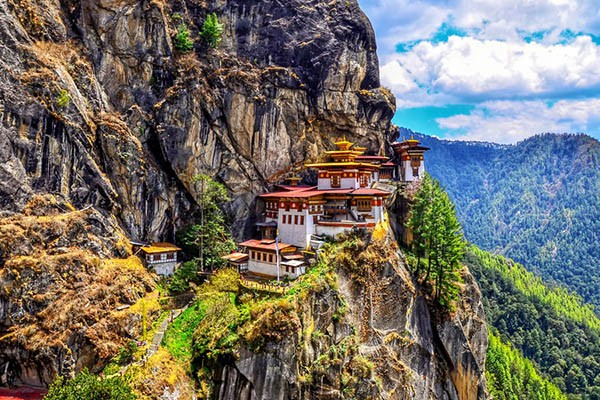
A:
[412,139]
[344,144]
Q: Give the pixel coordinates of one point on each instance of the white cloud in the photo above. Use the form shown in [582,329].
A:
[511,121]
[468,70]
[491,66]
[397,21]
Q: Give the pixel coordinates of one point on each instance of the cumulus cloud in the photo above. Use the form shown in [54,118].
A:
[507,59]
[398,21]
[511,121]
[469,69]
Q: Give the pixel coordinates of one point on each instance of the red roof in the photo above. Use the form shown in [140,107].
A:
[388,164]
[22,393]
[266,245]
[303,194]
[291,188]
[294,194]
[370,192]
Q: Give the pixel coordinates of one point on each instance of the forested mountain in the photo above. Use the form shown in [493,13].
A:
[537,202]
[551,327]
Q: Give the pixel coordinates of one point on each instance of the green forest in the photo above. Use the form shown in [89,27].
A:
[510,376]
[549,326]
[537,202]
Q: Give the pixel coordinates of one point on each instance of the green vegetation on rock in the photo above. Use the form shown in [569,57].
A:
[437,239]
[182,40]
[211,30]
[88,386]
[63,98]
[229,316]
[178,337]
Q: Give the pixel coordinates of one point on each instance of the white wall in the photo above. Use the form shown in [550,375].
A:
[349,183]
[408,171]
[164,269]
[163,258]
[293,233]
[330,230]
[265,268]
[309,229]
[345,183]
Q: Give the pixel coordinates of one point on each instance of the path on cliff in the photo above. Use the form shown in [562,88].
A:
[160,332]
[157,338]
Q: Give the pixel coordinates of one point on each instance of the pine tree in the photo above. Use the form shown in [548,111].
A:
[182,40]
[212,30]
[437,238]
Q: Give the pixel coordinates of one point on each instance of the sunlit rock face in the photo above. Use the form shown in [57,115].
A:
[372,334]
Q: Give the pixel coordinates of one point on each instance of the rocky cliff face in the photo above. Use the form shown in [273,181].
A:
[368,334]
[63,277]
[98,105]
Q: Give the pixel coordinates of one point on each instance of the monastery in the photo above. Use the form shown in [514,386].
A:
[346,197]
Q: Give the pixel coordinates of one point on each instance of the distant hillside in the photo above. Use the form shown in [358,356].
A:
[550,327]
[537,202]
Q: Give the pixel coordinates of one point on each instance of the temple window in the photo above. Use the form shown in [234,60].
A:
[336,181]
[364,180]
[364,205]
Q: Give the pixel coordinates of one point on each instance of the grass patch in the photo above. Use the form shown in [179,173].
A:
[178,337]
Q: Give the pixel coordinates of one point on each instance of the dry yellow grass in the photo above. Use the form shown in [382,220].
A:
[160,374]
[61,294]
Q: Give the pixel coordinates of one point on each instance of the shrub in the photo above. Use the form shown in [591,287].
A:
[88,386]
[182,41]
[125,355]
[186,273]
[211,30]
[63,98]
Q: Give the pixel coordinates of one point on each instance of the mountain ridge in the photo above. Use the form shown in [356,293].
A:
[537,201]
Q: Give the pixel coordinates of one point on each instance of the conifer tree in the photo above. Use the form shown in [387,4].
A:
[182,40]
[437,238]
[212,30]
[210,236]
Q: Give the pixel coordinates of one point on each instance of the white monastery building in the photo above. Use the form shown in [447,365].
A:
[345,198]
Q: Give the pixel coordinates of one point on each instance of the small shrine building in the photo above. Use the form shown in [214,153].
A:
[161,256]
[410,160]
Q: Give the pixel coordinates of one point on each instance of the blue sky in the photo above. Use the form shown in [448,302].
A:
[490,70]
